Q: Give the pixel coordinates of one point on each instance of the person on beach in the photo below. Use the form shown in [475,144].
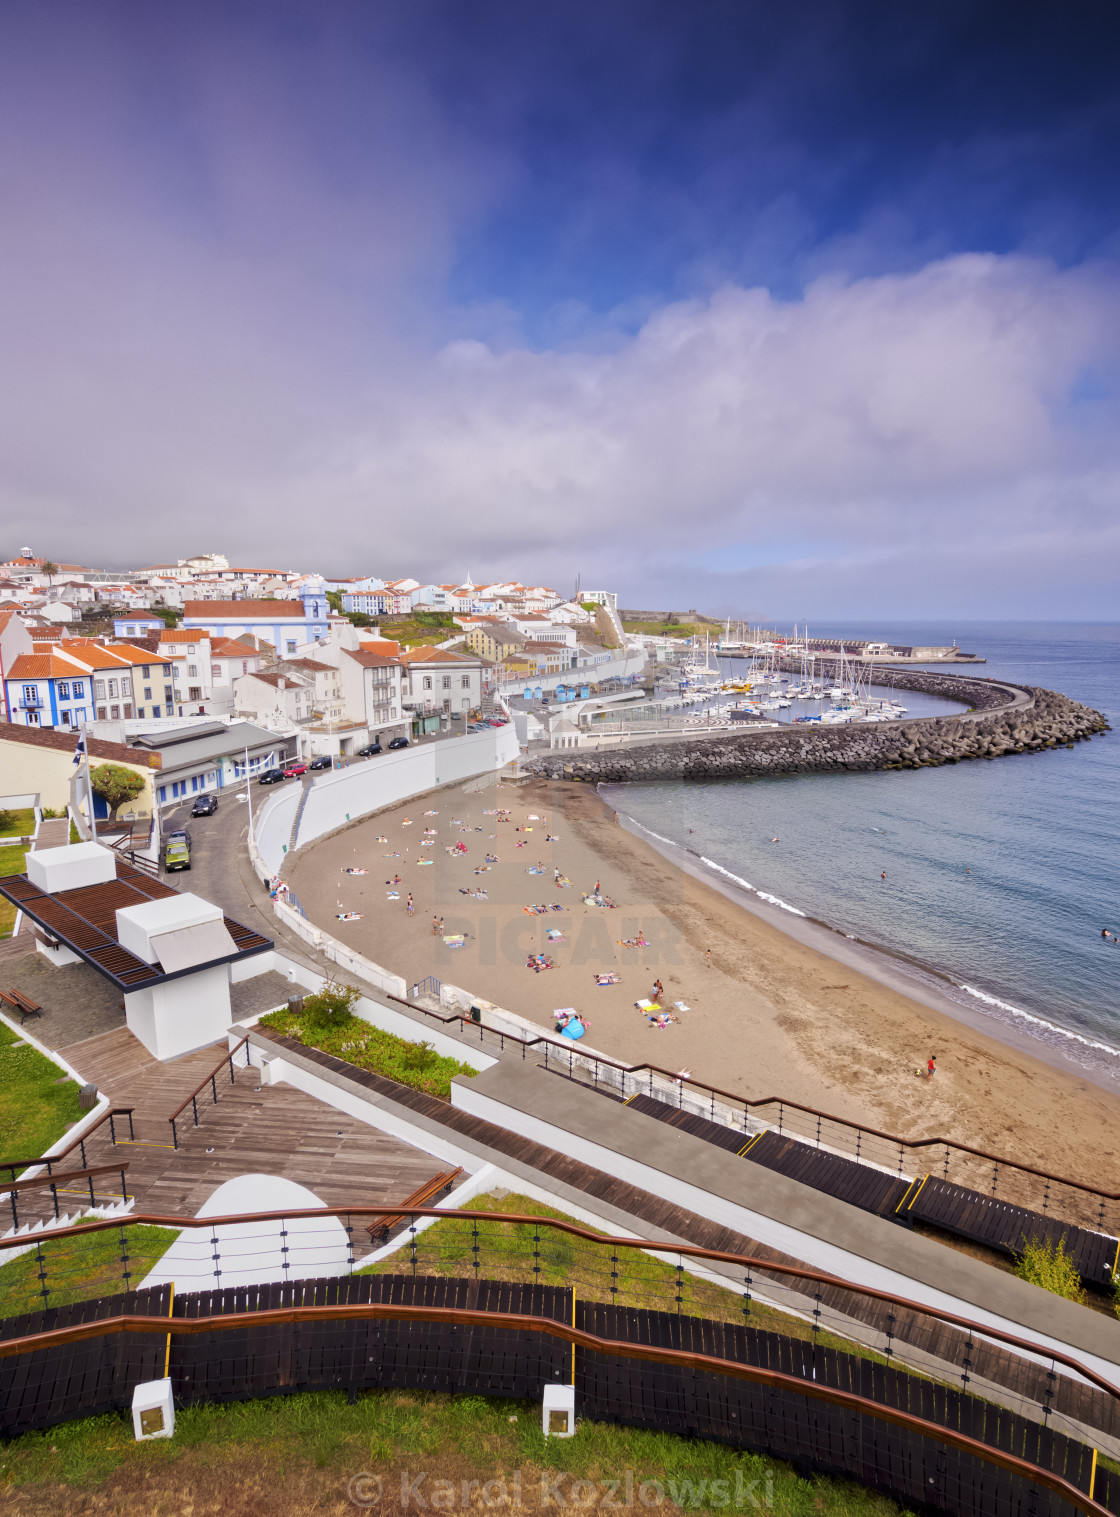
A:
[435,927]
[709,958]
[658,990]
[931,1067]
[409,904]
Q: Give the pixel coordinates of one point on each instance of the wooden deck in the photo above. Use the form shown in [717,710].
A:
[986,1219]
[252,1129]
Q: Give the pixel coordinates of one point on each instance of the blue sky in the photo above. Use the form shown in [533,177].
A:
[809,309]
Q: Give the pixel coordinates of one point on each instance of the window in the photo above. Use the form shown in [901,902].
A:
[99,689]
[126,685]
[31,695]
[192,671]
[101,713]
[63,690]
[162,794]
[115,713]
[215,671]
[166,670]
[244,666]
[447,682]
[147,671]
[79,689]
[140,712]
[112,688]
[147,692]
[191,649]
[66,718]
[466,682]
[155,710]
[427,682]
[194,692]
[291,645]
[194,782]
[127,712]
[168,695]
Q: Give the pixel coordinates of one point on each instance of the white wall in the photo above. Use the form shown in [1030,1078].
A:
[615,668]
[272,825]
[389,778]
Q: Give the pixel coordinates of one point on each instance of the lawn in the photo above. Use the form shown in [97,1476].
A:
[37,1101]
[360,1043]
[11,862]
[512,1251]
[81,1269]
[17,824]
[290,1456]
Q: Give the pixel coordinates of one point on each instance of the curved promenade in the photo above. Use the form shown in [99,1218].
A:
[1002,719]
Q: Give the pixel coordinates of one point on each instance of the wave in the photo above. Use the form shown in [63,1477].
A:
[1026,1016]
[775,900]
[711,863]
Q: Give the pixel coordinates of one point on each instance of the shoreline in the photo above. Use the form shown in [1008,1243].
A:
[771,1008]
[1100,1063]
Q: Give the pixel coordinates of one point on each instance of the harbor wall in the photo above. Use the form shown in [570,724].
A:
[1004,719]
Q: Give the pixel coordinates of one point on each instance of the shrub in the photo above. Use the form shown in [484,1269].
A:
[7,821]
[333,1006]
[1048,1265]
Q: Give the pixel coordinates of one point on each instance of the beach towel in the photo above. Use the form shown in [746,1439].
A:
[555,935]
[632,942]
[648,1006]
[681,1006]
[455,939]
[534,870]
[431,813]
[423,863]
[354,871]
[392,895]
[608,979]
[348,916]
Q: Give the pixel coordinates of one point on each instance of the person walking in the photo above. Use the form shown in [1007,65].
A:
[435,927]
[409,904]
[931,1067]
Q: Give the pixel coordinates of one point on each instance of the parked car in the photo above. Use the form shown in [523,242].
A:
[296,767]
[369,750]
[205,805]
[179,835]
[324,761]
[177,852]
[398,742]
[270,777]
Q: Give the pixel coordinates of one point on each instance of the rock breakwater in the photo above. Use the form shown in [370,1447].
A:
[1004,719]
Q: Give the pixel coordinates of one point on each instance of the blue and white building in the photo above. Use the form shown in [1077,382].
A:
[287,624]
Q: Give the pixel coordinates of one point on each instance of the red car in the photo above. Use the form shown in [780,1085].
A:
[291,770]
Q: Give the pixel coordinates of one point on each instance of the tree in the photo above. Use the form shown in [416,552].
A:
[116,783]
[49,569]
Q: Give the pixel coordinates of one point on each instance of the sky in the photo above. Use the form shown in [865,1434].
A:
[807,310]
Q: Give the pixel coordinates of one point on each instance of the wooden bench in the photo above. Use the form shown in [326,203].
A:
[381,1228]
[21,1003]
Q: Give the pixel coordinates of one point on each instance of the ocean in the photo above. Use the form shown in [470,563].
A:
[1000,875]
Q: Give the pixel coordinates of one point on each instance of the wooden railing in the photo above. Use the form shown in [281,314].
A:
[821,1128]
[52,1182]
[11,1165]
[211,1080]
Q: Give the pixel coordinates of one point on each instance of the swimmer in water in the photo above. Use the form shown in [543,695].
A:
[883,875]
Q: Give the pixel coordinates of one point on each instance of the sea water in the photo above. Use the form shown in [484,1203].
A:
[999,875]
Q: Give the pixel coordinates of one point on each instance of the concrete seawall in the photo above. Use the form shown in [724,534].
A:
[1004,719]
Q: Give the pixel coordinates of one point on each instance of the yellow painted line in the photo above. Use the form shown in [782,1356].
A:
[747,1146]
[634,1097]
[909,1204]
[1092,1475]
[573,1345]
[167,1353]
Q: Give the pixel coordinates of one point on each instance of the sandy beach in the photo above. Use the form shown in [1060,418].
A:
[766,1014]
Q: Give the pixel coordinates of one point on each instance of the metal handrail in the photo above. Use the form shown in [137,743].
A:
[79,1142]
[43,1182]
[578,1338]
[748,1103]
[745,1262]
[211,1080]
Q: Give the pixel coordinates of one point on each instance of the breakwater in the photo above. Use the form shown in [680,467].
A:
[1004,719]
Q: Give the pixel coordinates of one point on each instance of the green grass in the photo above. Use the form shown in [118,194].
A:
[12,859]
[37,1101]
[665,629]
[358,1042]
[509,1251]
[296,1454]
[82,1268]
[17,824]
[1048,1265]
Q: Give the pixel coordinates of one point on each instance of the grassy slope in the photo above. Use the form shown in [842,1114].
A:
[37,1102]
[508,1251]
[11,862]
[293,1455]
[360,1043]
[22,824]
[81,1269]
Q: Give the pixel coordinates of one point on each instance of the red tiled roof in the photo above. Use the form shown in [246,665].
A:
[370,660]
[244,610]
[430,655]
[65,741]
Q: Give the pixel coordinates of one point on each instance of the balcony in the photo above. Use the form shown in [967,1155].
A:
[30,703]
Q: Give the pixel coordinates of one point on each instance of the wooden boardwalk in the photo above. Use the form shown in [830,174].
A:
[924,1198]
[999,1224]
[252,1129]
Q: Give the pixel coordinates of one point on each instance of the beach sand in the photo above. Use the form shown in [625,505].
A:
[769,1015]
